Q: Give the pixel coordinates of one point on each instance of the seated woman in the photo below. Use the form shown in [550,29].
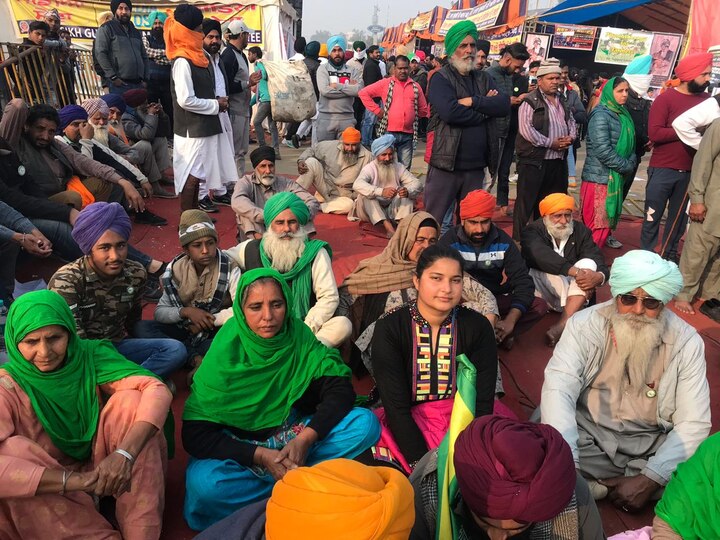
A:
[268,397]
[415,349]
[60,444]
[384,282]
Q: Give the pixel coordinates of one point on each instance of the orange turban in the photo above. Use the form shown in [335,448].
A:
[693,65]
[478,203]
[323,50]
[556,202]
[341,498]
[351,136]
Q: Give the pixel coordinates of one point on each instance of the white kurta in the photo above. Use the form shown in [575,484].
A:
[207,158]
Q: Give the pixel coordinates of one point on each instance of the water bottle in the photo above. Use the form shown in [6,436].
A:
[3,318]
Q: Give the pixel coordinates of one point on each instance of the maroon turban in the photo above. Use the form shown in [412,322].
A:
[514,470]
[135,98]
[693,65]
[477,204]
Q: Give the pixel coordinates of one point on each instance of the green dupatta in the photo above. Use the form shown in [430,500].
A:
[65,400]
[300,276]
[625,147]
[691,502]
[251,383]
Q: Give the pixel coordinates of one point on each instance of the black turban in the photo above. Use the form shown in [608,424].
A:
[261,154]
[115,4]
[300,44]
[209,25]
[189,16]
[483,45]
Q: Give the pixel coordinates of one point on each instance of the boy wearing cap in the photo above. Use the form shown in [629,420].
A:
[198,287]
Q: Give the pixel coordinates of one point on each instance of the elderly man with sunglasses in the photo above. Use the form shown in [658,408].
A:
[626,385]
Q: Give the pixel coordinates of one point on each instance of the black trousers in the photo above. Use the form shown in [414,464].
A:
[534,184]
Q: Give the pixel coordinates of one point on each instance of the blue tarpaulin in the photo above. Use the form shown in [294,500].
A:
[587,10]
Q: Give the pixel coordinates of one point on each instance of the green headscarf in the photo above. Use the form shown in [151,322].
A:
[625,147]
[300,276]
[691,502]
[251,383]
[457,33]
[65,400]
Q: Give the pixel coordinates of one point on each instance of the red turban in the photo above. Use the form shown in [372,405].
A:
[693,65]
[478,203]
[136,97]
[514,470]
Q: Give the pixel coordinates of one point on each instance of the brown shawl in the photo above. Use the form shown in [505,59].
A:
[390,270]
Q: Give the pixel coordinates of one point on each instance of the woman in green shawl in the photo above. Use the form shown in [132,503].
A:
[268,397]
[610,160]
[77,419]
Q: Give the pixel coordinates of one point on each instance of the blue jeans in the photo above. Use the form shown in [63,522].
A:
[571,162]
[404,147]
[665,188]
[368,128]
[161,356]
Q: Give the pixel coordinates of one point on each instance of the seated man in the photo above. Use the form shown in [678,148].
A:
[626,384]
[149,125]
[253,190]
[139,154]
[305,264]
[515,479]
[332,167]
[492,258]
[565,264]
[386,190]
[117,107]
[104,289]
[198,288]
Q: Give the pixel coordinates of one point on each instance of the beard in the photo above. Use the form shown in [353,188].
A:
[267,180]
[637,338]
[157,33]
[387,175]
[102,135]
[558,231]
[349,158]
[463,65]
[284,250]
[695,88]
[212,49]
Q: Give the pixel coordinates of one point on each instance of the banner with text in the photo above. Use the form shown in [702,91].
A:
[620,46]
[500,41]
[484,16]
[569,36]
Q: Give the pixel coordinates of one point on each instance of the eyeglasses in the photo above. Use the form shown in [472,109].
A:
[647,302]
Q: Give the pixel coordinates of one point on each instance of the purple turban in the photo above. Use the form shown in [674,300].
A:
[97,218]
[114,100]
[507,469]
[70,113]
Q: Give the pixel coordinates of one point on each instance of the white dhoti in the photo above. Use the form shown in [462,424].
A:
[206,158]
[334,198]
[379,209]
[555,289]
[228,133]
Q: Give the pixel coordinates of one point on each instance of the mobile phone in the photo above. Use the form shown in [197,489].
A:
[533,79]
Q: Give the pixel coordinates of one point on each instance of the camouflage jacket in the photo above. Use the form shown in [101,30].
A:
[102,309]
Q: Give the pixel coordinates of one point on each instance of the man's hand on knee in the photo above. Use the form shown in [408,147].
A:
[630,493]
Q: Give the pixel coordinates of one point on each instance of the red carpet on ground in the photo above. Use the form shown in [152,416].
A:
[522,368]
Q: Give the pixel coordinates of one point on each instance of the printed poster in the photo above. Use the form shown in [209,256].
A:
[664,50]
[579,38]
[538,45]
[484,16]
[500,41]
[619,46]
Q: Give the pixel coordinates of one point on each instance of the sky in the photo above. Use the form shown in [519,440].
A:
[338,16]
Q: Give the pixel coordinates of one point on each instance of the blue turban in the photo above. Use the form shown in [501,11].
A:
[639,66]
[659,278]
[334,41]
[156,15]
[381,144]
[114,100]
[70,113]
[285,200]
[97,218]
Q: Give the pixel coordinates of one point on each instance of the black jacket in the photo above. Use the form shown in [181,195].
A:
[639,109]
[229,60]
[492,261]
[371,72]
[312,65]
[537,248]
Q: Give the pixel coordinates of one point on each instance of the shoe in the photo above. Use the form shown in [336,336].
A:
[597,490]
[160,193]
[513,179]
[295,141]
[206,205]
[146,217]
[153,289]
[613,243]
[222,200]
[711,308]
[289,144]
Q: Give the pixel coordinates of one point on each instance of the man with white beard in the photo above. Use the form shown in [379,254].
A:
[305,264]
[386,190]
[626,386]
[564,262]
[253,190]
[140,154]
[332,167]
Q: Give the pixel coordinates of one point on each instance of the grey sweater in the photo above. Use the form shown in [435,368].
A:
[338,100]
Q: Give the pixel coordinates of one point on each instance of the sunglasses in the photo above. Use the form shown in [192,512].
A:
[647,302]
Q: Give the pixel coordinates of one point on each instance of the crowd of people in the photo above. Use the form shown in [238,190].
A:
[278,441]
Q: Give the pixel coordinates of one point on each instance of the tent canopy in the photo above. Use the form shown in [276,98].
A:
[581,11]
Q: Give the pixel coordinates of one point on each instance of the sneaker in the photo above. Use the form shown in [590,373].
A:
[146,217]
[289,144]
[513,179]
[295,141]
[613,243]
[206,205]
[153,289]
[222,200]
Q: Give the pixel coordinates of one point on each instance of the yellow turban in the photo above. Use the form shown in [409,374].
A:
[341,498]
[323,50]
[556,202]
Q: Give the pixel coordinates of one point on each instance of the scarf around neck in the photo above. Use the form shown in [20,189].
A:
[65,400]
[181,42]
[251,383]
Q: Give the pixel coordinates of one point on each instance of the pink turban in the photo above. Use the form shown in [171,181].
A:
[693,65]
[514,470]
[94,105]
